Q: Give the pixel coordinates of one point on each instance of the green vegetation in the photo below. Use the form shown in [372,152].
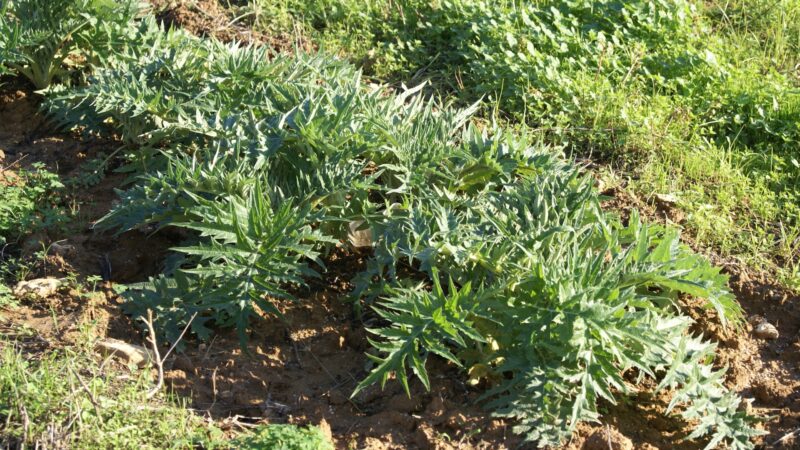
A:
[6,296]
[40,38]
[8,40]
[700,100]
[29,201]
[490,248]
[66,399]
[769,28]
[284,437]
[268,161]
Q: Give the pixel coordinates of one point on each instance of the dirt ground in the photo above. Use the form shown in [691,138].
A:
[303,370]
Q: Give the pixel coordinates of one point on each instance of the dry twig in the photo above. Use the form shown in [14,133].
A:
[785,437]
[157,355]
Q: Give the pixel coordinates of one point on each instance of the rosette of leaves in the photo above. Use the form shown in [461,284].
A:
[553,303]
[249,250]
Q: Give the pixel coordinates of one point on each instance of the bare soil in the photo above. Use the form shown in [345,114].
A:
[304,369]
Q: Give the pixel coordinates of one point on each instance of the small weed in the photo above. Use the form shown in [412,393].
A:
[7,298]
[30,200]
[90,173]
[284,437]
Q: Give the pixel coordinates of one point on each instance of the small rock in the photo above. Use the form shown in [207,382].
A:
[668,204]
[359,238]
[755,320]
[608,439]
[666,199]
[131,353]
[40,287]
[765,330]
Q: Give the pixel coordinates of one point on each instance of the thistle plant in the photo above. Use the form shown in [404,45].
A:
[489,250]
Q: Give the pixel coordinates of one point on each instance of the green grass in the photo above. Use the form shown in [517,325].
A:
[64,399]
[67,398]
[768,28]
[283,437]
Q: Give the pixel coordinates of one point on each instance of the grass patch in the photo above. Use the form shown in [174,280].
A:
[284,437]
[64,399]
